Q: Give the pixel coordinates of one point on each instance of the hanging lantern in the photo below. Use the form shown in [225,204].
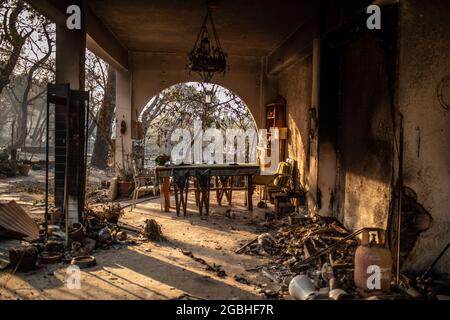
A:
[207,57]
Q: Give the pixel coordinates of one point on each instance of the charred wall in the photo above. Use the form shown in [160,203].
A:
[424,60]
[294,84]
[356,122]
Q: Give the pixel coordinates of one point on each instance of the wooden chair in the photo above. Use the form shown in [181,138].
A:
[180,180]
[203,180]
[224,187]
[143,183]
[275,181]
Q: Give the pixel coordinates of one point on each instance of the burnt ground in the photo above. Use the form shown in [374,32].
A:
[141,269]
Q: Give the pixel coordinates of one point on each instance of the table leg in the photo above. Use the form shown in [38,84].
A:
[165,194]
[230,192]
[250,192]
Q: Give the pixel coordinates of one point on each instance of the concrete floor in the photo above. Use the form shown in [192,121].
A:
[150,270]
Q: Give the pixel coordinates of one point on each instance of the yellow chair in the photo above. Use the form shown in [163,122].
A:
[275,181]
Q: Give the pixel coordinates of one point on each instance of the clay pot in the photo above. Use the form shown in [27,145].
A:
[24,169]
[76,233]
[23,258]
[125,188]
[50,257]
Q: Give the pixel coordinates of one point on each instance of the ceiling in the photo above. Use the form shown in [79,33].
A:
[245,27]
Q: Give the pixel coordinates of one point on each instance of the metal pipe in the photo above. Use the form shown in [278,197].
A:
[86,147]
[400,195]
[47,145]
[425,274]
[329,248]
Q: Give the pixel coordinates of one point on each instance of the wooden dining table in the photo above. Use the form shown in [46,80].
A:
[219,170]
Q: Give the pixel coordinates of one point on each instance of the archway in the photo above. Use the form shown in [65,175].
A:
[180,105]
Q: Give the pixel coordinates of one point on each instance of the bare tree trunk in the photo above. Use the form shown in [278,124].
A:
[102,143]
[16,40]
[25,101]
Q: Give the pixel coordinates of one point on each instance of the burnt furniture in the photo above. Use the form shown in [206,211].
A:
[217,170]
[203,179]
[180,180]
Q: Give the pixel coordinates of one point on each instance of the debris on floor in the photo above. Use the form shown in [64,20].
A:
[318,258]
[110,212]
[242,279]
[33,187]
[318,249]
[152,230]
[217,269]
[98,196]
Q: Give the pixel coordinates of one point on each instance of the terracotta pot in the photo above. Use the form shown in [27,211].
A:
[125,188]
[24,169]
[77,233]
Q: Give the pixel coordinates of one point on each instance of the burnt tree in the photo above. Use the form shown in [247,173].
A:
[13,39]
[103,144]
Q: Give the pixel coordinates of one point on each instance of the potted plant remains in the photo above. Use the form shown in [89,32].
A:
[125,182]
[125,179]
[162,159]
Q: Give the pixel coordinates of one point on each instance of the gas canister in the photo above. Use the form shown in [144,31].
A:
[373,262]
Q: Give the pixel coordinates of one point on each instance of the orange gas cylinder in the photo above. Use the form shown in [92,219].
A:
[373,262]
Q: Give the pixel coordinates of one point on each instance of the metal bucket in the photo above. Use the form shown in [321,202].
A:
[302,288]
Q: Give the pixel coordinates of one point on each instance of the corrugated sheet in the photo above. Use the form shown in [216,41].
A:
[16,223]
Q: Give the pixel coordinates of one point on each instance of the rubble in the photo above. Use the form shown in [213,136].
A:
[98,196]
[242,279]
[110,212]
[212,268]
[318,248]
[105,236]
[152,230]
[313,258]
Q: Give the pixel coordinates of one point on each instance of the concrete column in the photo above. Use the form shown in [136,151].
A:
[70,68]
[70,55]
[123,113]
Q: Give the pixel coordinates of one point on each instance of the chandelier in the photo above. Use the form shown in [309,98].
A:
[207,57]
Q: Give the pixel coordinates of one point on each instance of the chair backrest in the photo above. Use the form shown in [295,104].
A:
[284,172]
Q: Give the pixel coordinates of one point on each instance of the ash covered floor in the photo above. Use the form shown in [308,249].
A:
[171,269]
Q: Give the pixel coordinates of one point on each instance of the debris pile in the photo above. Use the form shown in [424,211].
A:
[99,229]
[314,258]
[98,196]
[110,212]
[152,230]
[318,248]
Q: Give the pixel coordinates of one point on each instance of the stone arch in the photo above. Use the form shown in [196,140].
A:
[153,72]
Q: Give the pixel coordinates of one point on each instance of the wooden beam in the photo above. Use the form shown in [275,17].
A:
[103,43]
